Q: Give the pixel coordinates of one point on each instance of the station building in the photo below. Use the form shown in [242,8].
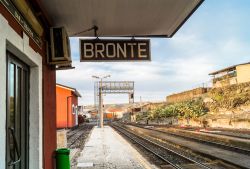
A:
[28,61]
[66,106]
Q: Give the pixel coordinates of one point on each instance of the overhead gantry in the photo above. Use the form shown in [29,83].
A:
[111,87]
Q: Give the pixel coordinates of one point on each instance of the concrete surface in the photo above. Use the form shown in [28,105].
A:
[61,136]
[73,152]
[106,149]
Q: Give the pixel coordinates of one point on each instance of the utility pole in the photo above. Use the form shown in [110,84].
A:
[100,99]
[100,105]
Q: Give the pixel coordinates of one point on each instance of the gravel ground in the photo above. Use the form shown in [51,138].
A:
[237,138]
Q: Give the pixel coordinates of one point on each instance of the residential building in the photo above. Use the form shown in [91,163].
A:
[231,75]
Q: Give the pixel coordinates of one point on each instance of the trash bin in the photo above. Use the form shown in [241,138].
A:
[62,158]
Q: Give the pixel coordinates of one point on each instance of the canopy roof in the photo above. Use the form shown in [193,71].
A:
[120,17]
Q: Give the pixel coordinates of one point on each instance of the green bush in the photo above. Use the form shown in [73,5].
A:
[187,110]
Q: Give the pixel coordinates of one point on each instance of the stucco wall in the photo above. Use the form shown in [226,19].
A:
[243,73]
[49,115]
[186,95]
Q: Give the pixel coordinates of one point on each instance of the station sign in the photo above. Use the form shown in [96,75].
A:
[107,50]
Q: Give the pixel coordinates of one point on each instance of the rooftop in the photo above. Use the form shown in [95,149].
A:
[69,88]
[228,69]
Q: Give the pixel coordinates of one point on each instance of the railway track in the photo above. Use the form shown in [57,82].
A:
[229,133]
[213,143]
[170,157]
[75,135]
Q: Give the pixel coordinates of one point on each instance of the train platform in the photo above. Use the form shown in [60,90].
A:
[106,149]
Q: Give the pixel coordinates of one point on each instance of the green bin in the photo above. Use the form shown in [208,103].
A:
[62,158]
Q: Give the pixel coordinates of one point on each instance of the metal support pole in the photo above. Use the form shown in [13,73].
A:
[100,99]
[100,105]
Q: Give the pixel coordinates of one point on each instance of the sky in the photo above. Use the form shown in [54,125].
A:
[217,35]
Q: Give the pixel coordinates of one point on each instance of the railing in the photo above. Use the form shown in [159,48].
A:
[225,77]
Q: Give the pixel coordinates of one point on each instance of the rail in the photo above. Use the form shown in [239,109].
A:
[157,146]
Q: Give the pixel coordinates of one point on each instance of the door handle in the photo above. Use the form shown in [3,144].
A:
[12,162]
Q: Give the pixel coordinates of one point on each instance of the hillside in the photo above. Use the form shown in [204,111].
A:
[220,107]
[228,106]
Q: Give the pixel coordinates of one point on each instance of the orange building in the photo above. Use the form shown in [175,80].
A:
[66,106]
[109,116]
